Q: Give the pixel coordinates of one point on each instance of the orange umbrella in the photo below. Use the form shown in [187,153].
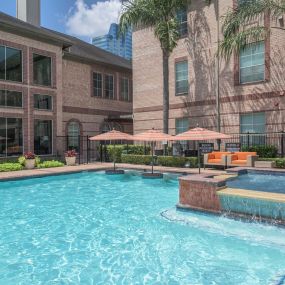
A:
[152,136]
[200,134]
[112,136]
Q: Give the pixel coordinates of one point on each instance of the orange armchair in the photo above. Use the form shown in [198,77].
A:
[242,159]
[215,158]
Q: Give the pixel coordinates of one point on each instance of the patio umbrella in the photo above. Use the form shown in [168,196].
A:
[200,134]
[152,136]
[112,136]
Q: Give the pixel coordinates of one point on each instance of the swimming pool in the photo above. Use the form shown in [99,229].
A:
[91,228]
[266,182]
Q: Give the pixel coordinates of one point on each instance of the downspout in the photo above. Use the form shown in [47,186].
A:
[218,107]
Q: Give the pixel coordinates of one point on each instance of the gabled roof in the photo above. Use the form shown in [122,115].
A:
[73,47]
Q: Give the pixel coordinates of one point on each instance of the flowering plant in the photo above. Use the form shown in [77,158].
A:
[70,153]
[29,155]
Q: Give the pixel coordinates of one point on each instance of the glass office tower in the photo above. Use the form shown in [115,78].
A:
[112,42]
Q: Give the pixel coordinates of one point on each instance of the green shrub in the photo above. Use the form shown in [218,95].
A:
[280,162]
[118,150]
[136,159]
[5,167]
[177,161]
[193,162]
[22,160]
[265,151]
[172,161]
[49,164]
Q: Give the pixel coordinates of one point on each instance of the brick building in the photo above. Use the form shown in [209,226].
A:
[53,85]
[250,86]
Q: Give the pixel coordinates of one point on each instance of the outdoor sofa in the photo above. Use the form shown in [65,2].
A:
[225,159]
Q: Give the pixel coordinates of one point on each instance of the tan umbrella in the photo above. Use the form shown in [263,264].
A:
[112,136]
[152,136]
[200,134]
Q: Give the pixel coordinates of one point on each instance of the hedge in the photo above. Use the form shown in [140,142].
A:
[50,163]
[136,159]
[5,167]
[280,162]
[177,161]
[265,151]
[118,150]
[171,161]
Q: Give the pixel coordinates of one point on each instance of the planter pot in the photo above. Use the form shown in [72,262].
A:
[70,161]
[30,163]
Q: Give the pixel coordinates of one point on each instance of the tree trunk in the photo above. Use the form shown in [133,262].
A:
[165,91]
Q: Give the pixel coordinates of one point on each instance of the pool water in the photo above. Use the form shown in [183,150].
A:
[91,228]
[274,183]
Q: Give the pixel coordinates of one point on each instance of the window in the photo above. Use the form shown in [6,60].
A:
[73,132]
[181,78]
[109,87]
[97,84]
[182,22]
[42,102]
[11,136]
[252,63]
[11,99]
[42,137]
[10,64]
[124,89]
[181,125]
[42,70]
[254,124]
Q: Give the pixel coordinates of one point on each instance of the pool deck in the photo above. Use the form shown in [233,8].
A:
[99,166]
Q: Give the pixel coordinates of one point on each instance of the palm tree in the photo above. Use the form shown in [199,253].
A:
[235,37]
[161,16]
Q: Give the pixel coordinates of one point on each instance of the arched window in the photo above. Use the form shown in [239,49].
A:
[73,133]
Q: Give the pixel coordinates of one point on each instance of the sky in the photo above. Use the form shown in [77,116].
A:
[81,18]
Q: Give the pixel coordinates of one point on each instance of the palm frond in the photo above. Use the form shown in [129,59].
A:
[235,38]
[168,35]
[237,42]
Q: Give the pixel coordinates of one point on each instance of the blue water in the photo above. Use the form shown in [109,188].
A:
[90,228]
[259,182]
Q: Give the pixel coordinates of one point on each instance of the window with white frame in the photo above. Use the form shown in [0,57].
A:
[181,125]
[253,125]
[43,102]
[97,84]
[73,132]
[181,78]
[11,64]
[12,99]
[252,63]
[181,17]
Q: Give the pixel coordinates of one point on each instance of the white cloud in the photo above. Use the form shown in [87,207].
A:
[94,20]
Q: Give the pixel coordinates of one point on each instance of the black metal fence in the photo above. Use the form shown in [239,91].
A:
[91,151]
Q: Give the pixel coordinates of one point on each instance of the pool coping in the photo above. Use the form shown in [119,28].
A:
[97,166]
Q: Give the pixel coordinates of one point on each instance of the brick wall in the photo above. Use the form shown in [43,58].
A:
[200,104]
[79,102]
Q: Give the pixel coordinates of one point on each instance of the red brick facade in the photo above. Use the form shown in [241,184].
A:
[71,91]
[199,49]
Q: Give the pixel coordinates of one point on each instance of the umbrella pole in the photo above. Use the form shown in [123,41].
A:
[199,164]
[152,157]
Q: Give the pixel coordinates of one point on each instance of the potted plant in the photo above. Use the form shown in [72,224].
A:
[30,160]
[70,157]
